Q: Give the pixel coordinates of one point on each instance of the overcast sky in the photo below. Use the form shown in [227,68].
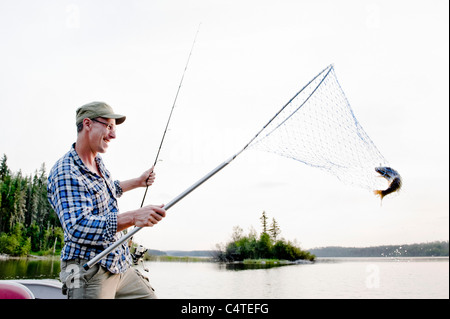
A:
[391,59]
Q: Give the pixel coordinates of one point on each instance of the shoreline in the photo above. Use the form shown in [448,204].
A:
[48,257]
[247,261]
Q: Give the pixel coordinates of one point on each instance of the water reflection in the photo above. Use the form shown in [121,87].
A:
[242,266]
[25,268]
[326,278]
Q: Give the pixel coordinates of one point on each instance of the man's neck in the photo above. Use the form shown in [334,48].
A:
[87,155]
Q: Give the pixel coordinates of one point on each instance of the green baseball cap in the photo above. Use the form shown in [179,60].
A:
[98,109]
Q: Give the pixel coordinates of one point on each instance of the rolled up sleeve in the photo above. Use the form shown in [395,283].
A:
[119,190]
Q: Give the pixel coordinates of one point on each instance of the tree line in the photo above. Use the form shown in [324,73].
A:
[268,245]
[27,221]
[431,249]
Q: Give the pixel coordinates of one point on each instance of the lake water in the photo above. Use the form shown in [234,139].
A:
[403,278]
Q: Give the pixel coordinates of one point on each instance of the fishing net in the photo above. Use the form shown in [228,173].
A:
[318,127]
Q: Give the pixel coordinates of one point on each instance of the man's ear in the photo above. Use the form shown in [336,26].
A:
[87,124]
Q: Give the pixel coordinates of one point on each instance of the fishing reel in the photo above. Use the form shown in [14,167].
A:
[138,256]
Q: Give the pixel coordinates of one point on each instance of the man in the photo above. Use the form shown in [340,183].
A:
[84,196]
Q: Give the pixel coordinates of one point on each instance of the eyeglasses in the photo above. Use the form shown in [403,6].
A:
[109,127]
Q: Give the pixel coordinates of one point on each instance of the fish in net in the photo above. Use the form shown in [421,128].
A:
[318,128]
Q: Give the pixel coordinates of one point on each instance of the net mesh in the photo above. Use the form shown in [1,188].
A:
[318,127]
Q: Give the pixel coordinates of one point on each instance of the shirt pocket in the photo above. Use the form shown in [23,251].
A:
[99,197]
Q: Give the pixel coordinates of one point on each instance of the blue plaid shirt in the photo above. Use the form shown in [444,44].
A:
[86,205]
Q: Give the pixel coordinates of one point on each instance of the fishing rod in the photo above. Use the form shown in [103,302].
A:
[124,238]
[171,111]
[140,250]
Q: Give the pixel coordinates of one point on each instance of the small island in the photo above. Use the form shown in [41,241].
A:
[267,248]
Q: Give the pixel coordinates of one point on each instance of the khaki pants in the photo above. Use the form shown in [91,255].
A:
[99,283]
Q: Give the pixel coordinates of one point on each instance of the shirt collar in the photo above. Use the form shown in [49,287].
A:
[80,163]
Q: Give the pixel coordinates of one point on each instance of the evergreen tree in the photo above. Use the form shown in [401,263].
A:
[27,221]
[19,197]
[4,170]
[274,230]
[263,219]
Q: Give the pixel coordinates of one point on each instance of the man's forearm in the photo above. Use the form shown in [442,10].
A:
[125,220]
[129,184]
[146,179]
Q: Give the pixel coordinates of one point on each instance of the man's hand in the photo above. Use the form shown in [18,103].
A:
[147,178]
[148,216]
